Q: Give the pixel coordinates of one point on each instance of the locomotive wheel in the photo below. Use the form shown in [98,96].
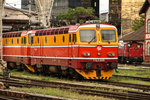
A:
[8,66]
[11,65]
[135,63]
[122,60]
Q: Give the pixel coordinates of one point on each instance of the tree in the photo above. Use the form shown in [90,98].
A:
[74,14]
[138,23]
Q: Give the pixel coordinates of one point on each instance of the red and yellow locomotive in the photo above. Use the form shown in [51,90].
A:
[90,50]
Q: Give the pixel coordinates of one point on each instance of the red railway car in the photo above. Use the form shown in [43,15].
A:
[131,53]
[88,50]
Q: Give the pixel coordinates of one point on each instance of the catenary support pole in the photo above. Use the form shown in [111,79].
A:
[3,64]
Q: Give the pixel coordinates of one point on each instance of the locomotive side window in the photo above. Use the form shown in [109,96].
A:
[38,40]
[54,39]
[70,38]
[63,39]
[88,36]
[24,40]
[129,46]
[12,41]
[17,41]
[45,39]
[108,35]
[139,46]
[6,41]
[29,38]
[32,40]
[74,38]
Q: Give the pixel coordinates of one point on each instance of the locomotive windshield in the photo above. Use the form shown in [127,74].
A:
[108,35]
[88,36]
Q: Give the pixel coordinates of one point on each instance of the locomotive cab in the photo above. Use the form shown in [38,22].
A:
[98,51]
[131,52]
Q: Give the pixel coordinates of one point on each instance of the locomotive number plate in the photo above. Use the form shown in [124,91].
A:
[98,60]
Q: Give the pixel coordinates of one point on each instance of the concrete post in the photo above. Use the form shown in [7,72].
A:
[2,63]
[44,8]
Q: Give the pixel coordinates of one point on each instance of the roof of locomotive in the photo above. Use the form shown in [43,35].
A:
[70,28]
[75,28]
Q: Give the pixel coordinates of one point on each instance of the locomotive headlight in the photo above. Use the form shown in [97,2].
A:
[113,54]
[89,54]
[109,54]
[99,54]
[84,54]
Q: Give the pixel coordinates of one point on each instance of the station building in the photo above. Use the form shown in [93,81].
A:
[15,19]
[146,10]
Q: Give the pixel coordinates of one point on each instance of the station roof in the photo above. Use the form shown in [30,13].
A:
[134,36]
[21,10]
[145,6]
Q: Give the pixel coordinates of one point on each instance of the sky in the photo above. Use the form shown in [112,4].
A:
[103,4]
[15,3]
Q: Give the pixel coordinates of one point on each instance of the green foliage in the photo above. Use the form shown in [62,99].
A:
[138,23]
[145,73]
[73,14]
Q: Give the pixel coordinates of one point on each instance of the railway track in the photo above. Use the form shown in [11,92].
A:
[14,95]
[128,85]
[133,77]
[145,88]
[82,89]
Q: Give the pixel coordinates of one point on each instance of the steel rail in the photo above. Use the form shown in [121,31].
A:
[14,95]
[84,90]
[133,77]
[128,85]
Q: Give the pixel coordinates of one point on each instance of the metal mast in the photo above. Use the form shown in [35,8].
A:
[44,8]
[3,64]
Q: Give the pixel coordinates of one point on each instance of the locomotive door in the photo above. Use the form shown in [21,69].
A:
[73,49]
[22,49]
[41,49]
[70,50]
[29,48]
[70,45]
[28,53]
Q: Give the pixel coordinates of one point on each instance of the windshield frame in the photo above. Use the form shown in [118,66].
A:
[109,41]
[89,42]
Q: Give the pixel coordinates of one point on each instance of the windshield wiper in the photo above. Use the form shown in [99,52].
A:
[108,41]
[92,39]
